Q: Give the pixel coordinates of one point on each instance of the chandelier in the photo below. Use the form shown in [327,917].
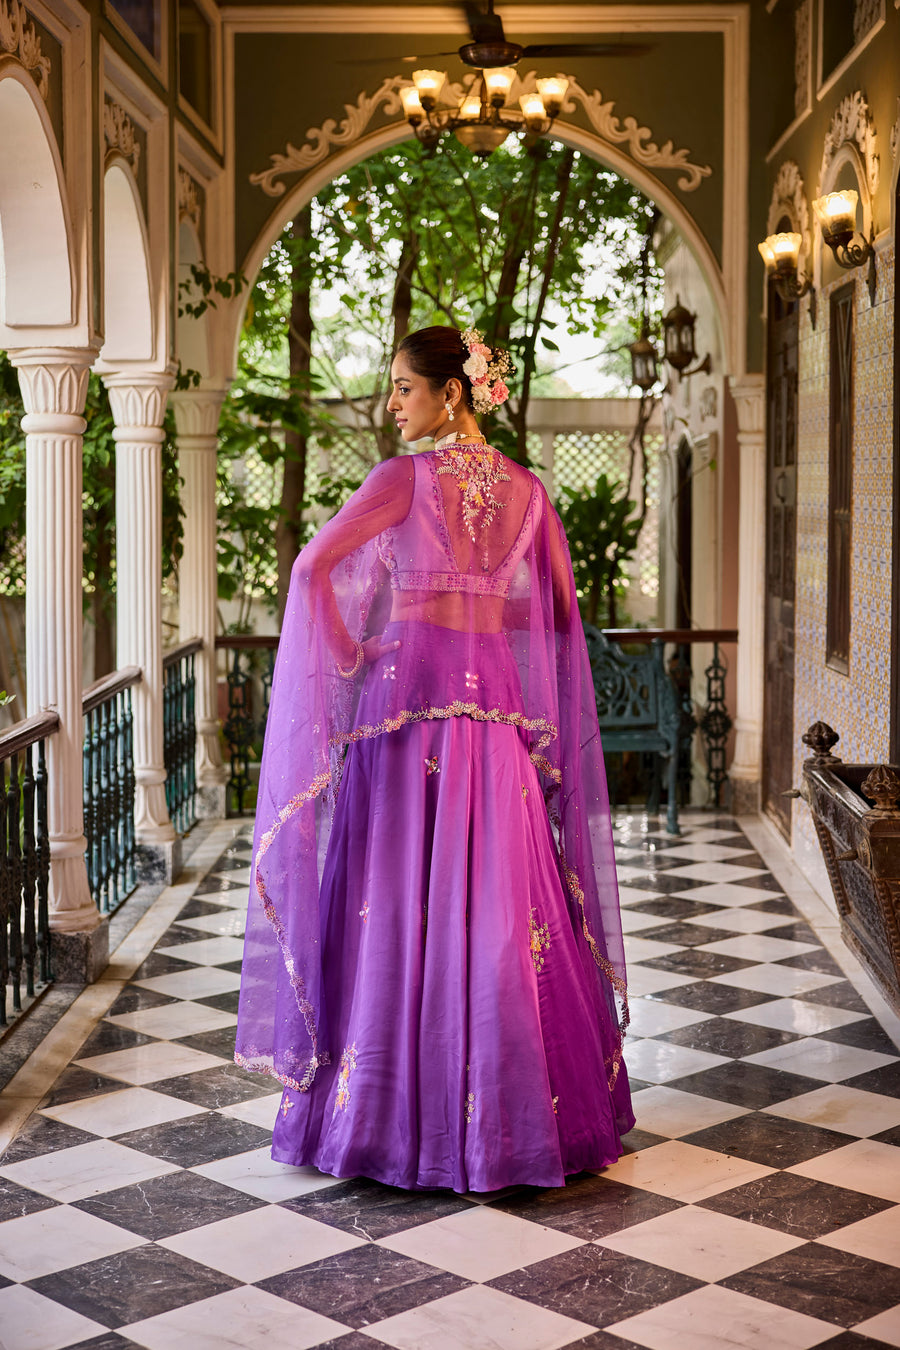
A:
[482,120]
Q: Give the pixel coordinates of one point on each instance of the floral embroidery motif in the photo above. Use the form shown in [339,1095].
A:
[459,709]
[524,793]
[472,678]
[389,673]
[364,912]
[470,1107]
[348,1064]
[432,766]
[539,940]
[478,470]
[556,1106]
[286,1105]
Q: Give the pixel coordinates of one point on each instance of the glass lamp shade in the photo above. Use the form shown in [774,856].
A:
[678,330]
[643,362]
[781,252]
[836,214]
[429,84]
[470,108]
[498,83]
[767,254]
[552,91]
[412,105]
[533,111]
[481,138]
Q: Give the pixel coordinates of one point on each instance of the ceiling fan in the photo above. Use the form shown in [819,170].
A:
[489,46]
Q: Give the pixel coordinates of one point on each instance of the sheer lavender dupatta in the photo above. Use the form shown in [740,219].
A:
[283,1024]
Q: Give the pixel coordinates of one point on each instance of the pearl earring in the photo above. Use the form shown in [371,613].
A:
[449,407]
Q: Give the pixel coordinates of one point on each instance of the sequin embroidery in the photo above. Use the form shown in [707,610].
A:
[470,1107]
[539,940]
[432,766]
[364,912]
[348,1064]
[286,1105]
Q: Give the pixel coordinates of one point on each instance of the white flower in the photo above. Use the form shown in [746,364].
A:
[481,398]
[475,367]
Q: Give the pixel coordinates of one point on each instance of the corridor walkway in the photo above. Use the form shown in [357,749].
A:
[758,1205]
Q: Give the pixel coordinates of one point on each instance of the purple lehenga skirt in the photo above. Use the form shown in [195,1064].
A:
[462,1009]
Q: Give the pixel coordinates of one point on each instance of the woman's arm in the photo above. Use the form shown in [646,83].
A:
[383,500]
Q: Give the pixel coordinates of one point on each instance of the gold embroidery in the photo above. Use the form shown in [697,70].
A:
[539,940]
[524,793]
[459,709]
[348,1064]
[470,1107]
[556,1106]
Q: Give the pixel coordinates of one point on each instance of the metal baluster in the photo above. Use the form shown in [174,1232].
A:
[88,799]
[128,793]
[190,720]
[14,866]
[29,875]
[715,724]
[238,731]
[5,898]
[104,821]
[43,852]
[116,888]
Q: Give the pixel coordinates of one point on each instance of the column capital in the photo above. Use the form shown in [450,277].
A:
[749,394]
[197,412]
[138,400]
[53,381]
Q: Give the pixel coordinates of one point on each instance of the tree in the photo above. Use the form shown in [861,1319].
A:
[407,238]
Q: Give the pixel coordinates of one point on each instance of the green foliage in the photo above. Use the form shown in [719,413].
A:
[603,531]
[6,698]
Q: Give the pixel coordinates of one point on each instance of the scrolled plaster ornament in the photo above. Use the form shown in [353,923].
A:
[789,199]
[895,133]
[118,132]
[19,38]
[189,203]
[852,124]
[801,56]
[866,14]
[322,140]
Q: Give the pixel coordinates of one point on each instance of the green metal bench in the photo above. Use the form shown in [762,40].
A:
[638,708]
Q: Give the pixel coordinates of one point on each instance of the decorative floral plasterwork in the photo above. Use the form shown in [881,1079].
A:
[895,133]
[852,125]
[18,37]
[189,199]
[789,199]
[330,136]
[866,14]
[802,16]
[118,131]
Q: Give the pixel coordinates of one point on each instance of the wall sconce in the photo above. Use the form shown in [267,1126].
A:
[644,371]
[836,213]
[781,255]
[678,341]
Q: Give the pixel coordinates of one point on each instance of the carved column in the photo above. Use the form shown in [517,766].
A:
[746,770]
[138,401]
[197,420]
[54,384]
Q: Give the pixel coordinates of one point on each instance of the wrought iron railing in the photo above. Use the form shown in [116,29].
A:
[24,860]
[710,718]
[251,664]
[108,787]
[180,733]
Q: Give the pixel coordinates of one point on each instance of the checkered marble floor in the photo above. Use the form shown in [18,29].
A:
[758,1204]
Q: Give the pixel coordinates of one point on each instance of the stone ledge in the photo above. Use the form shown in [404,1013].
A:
[80,958]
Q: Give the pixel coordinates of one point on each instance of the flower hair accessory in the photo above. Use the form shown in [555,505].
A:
[485,369]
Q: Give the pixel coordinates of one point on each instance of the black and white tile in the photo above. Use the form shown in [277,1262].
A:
[758,1203]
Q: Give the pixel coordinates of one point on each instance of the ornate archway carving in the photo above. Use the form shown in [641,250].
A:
[852,126]
[331,135]
[789,199]
[19,39]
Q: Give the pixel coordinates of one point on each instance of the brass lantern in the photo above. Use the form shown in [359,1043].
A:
[644,368]
[678,336]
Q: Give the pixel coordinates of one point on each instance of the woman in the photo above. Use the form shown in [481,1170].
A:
[433,966]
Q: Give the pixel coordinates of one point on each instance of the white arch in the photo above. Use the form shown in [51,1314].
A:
[586,141]
[127,304]
[192,332]
[36,288]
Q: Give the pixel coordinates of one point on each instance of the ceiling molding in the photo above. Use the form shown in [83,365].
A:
[555,19]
